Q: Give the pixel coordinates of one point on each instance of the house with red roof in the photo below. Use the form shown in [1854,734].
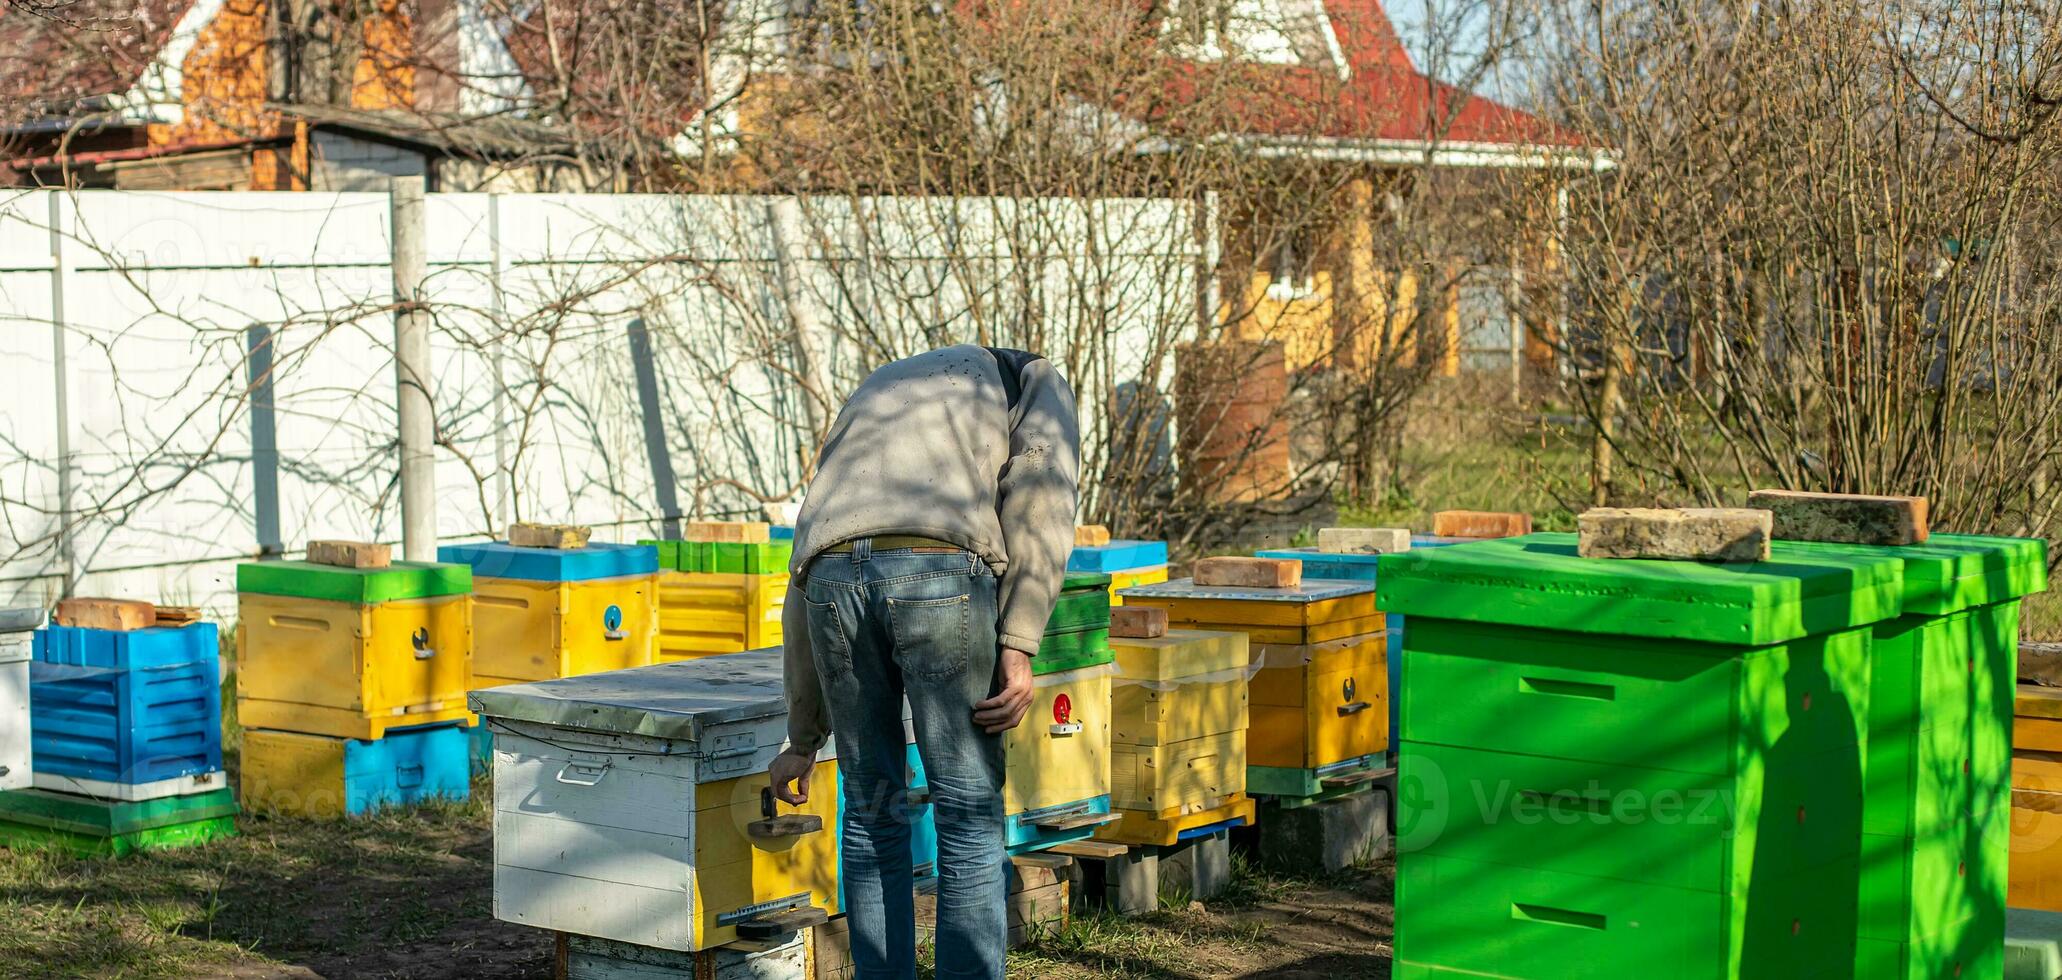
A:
[1338,92]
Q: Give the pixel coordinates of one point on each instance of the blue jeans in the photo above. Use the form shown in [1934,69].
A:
[918,623]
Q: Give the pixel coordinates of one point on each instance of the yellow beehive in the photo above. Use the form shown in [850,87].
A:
[704,613]
[1315,704]
[1184,685]
[350,652]
[1060,753]
[737,869]
[533,631]
[1178,708]
[1153,575]
[540,613]
[2034,880]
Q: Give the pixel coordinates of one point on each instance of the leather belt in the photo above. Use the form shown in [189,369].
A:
[897,542]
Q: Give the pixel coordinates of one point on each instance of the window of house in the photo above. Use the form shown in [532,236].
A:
[1292,270]
[1202,23]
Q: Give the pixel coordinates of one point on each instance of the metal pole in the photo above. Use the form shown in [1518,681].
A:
[418,423]
[499,272]
[264,444]
[60,273]
[653,410]
[790,253]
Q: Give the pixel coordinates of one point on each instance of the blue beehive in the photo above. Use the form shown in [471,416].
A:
[132,706]
[783,532]
[1361,568]
[1117,556]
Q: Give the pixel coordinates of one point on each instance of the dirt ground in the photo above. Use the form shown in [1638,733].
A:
[410,894]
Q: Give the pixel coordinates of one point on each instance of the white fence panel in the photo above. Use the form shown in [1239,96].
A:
[540,393]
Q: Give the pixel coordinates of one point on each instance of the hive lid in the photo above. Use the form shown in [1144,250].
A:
[1316,590]
[1539,581]
[401,580]
[150,647]
[1950,572]
[680,700]
[1354,558]
[1179,654]
[1117,556]
[498,559]
[20,619]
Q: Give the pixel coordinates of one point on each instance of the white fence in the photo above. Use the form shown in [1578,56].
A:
[200,378]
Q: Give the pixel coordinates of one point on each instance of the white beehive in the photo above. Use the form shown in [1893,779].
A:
[634,805]
[17,632]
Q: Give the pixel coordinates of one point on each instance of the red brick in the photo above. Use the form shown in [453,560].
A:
[1250,573]
[1480,524]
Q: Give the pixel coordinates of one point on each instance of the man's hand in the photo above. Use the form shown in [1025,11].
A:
[792,767]
[1003,711]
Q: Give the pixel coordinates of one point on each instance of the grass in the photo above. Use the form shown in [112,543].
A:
[366,896]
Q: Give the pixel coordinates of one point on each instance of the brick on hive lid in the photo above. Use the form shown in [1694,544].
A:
[730,532]
[1363,540]
[1849,518]
[177,616]
[559,536]
[1138,622]
[1717,534]
[350,554]
[1249,573]
[1091,535]
[105,614]
[1480,524]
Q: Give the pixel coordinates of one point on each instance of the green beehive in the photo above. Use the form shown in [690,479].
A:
[1622,768]
[32,817]
[725,557]
[1078,632]
[1936,819]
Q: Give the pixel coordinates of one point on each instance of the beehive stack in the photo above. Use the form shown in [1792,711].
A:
[1057,761]
[720,591]
[2036,821]
[1621,763]
[1937,819]
[1352,555]
[1319,688]
[127,734]
[635,806]
[556,608]
[1178,714]
[351,680]
[1127,563]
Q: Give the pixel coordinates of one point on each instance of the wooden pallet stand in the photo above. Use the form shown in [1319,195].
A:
[587,958]
[1134,879]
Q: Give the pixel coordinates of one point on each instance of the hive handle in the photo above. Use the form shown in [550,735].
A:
[1567,689]
[582,774]
[775,827]
[1353,709]
[1552,915]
